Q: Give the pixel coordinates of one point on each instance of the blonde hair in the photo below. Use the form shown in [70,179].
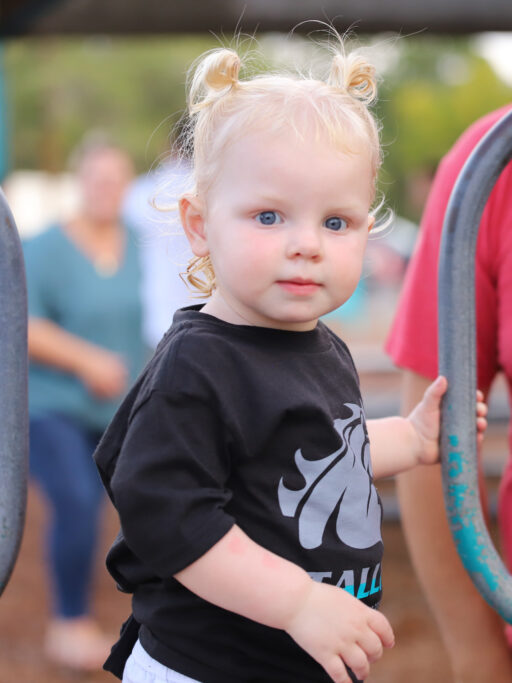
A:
[222,107]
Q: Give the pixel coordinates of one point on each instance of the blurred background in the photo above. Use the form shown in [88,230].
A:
[77,67]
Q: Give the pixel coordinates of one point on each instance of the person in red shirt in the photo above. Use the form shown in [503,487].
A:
[472,632]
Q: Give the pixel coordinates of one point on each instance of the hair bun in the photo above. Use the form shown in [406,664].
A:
[217,72]
[355,75]
[222,69]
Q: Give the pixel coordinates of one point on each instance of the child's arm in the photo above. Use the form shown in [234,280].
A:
[400,443]
[327,622]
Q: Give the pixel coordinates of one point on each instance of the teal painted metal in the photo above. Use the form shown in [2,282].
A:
[457,361]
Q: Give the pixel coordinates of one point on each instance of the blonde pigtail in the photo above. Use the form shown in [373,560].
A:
[205,285]
[215,76]
[353,74]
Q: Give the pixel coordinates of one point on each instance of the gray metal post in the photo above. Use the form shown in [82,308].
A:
[457,361]
[13,393]
[4,124]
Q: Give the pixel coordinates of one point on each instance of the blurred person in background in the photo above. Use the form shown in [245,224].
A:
[473,633]
[85,348]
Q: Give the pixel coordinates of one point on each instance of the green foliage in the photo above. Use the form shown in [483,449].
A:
[131,89]
[434,91]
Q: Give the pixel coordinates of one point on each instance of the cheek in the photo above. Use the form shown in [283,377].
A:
[348,262]
[247,251]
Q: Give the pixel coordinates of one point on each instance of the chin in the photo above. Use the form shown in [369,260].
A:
[297,322]
[303,316]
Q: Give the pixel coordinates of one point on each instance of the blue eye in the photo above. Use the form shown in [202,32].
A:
[269,218]
[335,223]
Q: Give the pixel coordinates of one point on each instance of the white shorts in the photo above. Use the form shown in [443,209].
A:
[142,668]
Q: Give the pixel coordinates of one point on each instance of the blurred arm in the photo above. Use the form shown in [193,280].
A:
[472,632]
[102,371]
[52,345]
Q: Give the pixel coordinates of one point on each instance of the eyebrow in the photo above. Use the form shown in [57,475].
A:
[268,199]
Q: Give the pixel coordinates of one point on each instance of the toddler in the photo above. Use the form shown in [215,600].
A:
[241,463]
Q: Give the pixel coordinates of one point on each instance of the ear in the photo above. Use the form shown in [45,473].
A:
[192,220]
[371,222]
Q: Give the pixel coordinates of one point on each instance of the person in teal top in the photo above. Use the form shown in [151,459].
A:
[99,307]
[85,348]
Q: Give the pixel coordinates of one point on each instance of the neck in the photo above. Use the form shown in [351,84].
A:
[220,307]
[102,242]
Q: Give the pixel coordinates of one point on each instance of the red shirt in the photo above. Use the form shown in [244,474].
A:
[412,342]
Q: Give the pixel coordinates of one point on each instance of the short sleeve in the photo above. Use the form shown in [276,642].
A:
[40,300]
[170,481]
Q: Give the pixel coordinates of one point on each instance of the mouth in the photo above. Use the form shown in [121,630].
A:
[299,286]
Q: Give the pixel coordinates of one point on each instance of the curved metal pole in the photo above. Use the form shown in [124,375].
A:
[457,361]
[13,393]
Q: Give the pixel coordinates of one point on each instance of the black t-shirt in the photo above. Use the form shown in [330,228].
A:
[254,426]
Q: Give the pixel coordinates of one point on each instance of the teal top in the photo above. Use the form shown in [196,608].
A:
[65,287]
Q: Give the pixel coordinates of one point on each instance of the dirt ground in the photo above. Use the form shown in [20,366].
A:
[417,657]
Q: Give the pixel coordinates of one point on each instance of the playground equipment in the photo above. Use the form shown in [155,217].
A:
[13,393]
[457,361]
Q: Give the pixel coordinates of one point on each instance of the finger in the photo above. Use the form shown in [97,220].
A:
[480,395]
[337,670]
[356,659]
[371,644]
[378,623]
[481,424]
[435,391]
[481,409]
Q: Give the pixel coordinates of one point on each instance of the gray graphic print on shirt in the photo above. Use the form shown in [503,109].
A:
[342,478]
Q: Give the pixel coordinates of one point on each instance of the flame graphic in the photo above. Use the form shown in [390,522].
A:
[343,477]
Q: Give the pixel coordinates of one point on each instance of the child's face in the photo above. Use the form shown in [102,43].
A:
[286,224]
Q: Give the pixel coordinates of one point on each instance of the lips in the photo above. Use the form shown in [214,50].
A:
[299,286]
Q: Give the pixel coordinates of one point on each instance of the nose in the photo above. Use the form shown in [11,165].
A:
[304,241]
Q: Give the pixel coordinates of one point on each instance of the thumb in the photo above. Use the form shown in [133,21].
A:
[435,391]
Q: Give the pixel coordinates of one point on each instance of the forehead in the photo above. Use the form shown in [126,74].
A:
[285,160]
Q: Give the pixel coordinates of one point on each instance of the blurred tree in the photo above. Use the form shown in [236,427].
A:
[131,89]
[435,88]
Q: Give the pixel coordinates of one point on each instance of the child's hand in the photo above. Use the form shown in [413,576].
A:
[337,629]
[425,418]
[481,416]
